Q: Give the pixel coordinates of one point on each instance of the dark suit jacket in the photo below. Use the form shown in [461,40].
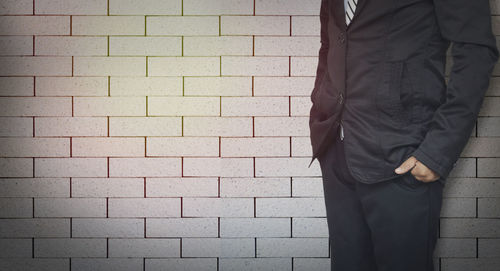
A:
[383,78]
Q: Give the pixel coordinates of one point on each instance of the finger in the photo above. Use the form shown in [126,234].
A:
[406,165]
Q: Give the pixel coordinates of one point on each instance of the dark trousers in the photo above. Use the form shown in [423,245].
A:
[387,226]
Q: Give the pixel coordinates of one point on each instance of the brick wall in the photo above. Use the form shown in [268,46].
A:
[153,134]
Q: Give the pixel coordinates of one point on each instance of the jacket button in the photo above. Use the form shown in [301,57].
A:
[341,37]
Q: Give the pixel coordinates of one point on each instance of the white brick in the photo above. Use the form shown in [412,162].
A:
[145,7]
[488,126]
[458,207]
[284,167]
[16,126]
[255,146]
[108,227]
[287,46]
[182,146]
[71,46]
[488,167]
[303,65]
[145,126]
[289,7]
[255,66]
[17,86]
[145,86]
[144,167]
[466,167]
[181,187]
[181,227]
[488,207]
[142,248]
[34,147]
[16,167]
[456,247]
[35,106]
[281,126]
[183,66]
[108,25]
[283,86]
[16,208]
[200,264]
[308,186]
[218,7]
[35,25]
[144,207]
[472,187]
[71,7]
[306,25]
[216,46]
[34,264]
[112,66]
[468,264]
[292,247]
[70,167]
[34,227]
[182,25]
[35,65]
[34,187]
[15,248]
[300,106]
[482,147]
[255,25]
[255,187]
[218,247]
[183,106]
[107,187]
[301,146]
[69,247]
[109,106]
[277,264]
[16,45]
[105,264]
[255,227]
[218,86]
[217,207]
[71,126]
[107,146]
[290,207]
[217,126]
[470,227]
[70,207]
[309,227]
[17,7]
[304,264]
[145,46]
[255,106]
[224,167]
[71,86]
[488,248]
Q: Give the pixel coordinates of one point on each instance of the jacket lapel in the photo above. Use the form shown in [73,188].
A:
[339,15]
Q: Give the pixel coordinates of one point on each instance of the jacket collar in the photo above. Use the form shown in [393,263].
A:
[339,15]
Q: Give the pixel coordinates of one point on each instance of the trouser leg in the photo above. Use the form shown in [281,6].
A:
[350,240]
[403,215]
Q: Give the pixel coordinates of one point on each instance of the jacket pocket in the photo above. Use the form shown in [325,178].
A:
[327,96]
[395,97]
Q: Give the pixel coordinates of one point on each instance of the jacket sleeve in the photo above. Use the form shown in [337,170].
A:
[467,24]
[323,51]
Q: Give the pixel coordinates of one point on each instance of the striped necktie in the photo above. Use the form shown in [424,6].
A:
[350,7]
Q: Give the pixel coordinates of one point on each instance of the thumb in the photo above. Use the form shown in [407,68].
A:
[406,165]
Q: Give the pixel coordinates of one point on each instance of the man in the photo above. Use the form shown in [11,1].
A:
[386,127]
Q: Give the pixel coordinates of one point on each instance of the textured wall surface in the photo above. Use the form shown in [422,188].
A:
[173,135]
